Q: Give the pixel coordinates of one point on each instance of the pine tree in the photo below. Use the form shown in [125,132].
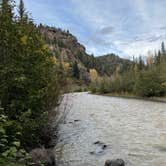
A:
[29,80]
[141,63]
[6,39]
[158,59]
[76,71]
[6,9]
[21,9]
[163,51]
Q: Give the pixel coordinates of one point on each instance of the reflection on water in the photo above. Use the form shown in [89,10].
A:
[99,128]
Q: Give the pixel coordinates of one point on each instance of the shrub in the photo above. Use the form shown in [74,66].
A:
[149,84]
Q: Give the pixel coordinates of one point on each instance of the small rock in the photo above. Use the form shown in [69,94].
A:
[76,120]
[97,142]
[107,163]
[92,152]
[104,147]
[117,162]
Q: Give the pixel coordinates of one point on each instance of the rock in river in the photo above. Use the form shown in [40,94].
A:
[117,162]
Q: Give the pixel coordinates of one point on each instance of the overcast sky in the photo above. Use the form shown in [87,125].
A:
[124,27]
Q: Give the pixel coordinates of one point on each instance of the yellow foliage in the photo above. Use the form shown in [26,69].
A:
[93,74]
[42,49]
[149,59]
[66,65]
[118,69]
[54,59]
[45,47]
[39,52]
[24,39]
[164,84]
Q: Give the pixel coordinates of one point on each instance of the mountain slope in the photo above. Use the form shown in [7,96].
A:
[66,48]
[110,62]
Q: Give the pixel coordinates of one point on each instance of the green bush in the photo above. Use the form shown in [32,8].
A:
[149,84]
[11,150]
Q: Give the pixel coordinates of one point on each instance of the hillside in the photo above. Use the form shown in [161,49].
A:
[66,48]
[109,63]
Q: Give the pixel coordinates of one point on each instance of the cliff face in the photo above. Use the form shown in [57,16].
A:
[66,48]
[63,42]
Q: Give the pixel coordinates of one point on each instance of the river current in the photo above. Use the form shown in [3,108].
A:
[98,128]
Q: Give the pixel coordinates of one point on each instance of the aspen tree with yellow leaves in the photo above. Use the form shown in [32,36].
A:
[93,74]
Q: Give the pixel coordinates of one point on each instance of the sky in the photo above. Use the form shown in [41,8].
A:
[124,27]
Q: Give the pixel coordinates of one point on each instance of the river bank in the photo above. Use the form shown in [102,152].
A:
[132,96]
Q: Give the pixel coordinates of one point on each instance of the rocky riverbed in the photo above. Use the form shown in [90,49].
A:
[98,128]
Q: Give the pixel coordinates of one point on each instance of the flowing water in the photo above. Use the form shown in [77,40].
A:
[98,128]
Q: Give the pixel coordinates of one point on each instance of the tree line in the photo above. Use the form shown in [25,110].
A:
[143,78]
[30,85]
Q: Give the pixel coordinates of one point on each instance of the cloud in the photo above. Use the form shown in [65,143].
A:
[107,30]
[163,27]
[98,40]
[129,27]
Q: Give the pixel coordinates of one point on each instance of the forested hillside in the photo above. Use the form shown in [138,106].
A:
[108,73]
[66,48]
[142,78]
[107,64]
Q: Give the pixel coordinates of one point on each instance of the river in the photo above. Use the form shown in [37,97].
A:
[98,128]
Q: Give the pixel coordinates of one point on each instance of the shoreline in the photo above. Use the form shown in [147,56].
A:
[154,99]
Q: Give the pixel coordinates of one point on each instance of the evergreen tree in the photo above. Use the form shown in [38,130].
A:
[29,82]
[163,51]
[21,10]
[163,48]
[6,10]
[158,60]
[149,84]
[76,71]
[141,63]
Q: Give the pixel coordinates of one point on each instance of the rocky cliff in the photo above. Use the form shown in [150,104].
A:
[66,48]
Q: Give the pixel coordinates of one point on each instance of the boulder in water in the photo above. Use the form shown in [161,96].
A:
[117,162]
